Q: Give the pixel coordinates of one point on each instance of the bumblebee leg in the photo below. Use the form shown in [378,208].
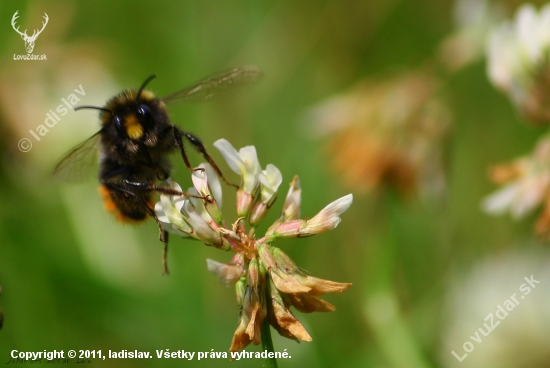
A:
[179,143]
[200,148]
[161,189]
[163,234]
[152,164]
[165,252]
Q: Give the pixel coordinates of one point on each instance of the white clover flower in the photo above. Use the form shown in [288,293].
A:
[168,211]
[270,178]
[291,208]
[473,20]
[244,162]
[327,219]
[187,216]
[266,280]
[519,198]
[526,186]
[518,61]
[207,182]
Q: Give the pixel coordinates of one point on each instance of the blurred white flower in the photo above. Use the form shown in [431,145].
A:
[526,186]
[518,56]
[387,133]
[510,336]
[473,20]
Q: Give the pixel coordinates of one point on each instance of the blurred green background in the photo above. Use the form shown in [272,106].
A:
[72,278]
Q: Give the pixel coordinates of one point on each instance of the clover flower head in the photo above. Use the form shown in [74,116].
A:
[393,131]
[526,185]
[518,61]
[267,282]
[473,20]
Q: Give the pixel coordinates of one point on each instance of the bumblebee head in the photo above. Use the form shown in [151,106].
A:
[133,114]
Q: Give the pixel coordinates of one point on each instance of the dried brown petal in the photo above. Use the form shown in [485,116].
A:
[320,286]
[287,283]
[309,304]
[240,337]
[287,325]
[282,319]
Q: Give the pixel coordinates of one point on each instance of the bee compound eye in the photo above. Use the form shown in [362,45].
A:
[145,115]
[118,123]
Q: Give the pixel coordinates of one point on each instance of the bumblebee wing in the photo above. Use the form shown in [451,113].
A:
[77,164]
[217,84]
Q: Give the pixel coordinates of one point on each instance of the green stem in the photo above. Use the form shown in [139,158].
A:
[267,344]
[382,309]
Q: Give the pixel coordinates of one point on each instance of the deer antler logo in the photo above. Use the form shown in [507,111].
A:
[29,40]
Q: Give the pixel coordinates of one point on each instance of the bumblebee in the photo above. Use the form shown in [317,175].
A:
[135,141]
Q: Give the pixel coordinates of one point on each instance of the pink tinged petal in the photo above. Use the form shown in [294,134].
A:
[291,208]
[227,274]
[291,229]
[258,213]
[328,218]
[245,201]
[270,180]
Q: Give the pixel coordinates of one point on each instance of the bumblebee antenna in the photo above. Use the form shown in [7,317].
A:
[93,107]
[149,78]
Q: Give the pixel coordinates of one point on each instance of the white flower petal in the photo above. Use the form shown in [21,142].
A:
[214,183]
[500,201]
[244,162]
[329,217]
[230,154]
[271,178]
